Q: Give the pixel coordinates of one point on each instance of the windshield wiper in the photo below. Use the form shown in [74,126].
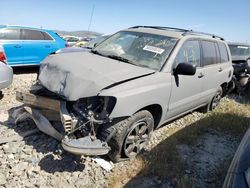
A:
[96,52]
[87,47]
[116,57]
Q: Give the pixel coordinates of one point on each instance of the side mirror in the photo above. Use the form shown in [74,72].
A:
[185,69]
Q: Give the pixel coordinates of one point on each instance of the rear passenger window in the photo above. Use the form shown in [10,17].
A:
[9,34]
[46,36]
[209,53]
[223,53]
[189,53]
[28,34]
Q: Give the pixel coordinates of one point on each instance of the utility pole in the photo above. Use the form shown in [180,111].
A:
[91,16]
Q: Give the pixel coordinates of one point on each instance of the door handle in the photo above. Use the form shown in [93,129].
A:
[47,46]
[201,75]
[17,46]
[220,69]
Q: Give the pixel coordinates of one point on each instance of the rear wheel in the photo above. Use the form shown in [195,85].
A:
[132,136]
[216,100]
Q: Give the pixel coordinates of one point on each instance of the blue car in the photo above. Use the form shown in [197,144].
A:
[28,46]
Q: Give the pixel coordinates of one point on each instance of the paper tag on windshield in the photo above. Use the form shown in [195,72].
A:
[243,47]
[153,49]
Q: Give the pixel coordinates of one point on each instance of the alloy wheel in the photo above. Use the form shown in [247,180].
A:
[137,138]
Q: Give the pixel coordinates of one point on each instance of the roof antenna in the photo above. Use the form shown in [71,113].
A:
[92,12]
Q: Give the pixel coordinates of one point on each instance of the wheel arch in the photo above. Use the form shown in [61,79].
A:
[156,111]
[224,88]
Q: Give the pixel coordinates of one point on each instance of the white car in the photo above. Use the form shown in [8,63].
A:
[71,40]
[6,72]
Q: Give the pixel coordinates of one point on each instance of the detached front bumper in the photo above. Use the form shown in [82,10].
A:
[43,110]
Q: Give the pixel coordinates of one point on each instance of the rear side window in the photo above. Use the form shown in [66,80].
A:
[28,34]
[223,53]
[46,36]
[209,53]
[189,53]
[9,34]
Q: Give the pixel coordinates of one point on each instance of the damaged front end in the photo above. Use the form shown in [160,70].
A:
[86,123]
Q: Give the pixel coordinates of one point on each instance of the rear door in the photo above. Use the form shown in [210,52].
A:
[186,90]
[10,39]
[37,45]
[213,69]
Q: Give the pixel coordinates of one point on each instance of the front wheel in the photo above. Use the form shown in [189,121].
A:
[132,136]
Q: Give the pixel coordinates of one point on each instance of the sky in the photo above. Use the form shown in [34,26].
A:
[227,18]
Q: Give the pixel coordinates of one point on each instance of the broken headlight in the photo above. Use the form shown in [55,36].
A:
[88,113]
[98,106]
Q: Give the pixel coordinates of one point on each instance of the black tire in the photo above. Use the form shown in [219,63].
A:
[216,99]
[205,109]
[124,132]
[1,95]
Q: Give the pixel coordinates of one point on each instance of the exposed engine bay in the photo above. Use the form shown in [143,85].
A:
[86,121]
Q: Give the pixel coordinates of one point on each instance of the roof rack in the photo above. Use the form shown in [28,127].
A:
[190,32]
[160,27]
[185,31]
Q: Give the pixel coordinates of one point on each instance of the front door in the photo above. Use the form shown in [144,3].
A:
[186,90]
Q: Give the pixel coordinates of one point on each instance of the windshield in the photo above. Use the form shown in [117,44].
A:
[239,50]
[141,49]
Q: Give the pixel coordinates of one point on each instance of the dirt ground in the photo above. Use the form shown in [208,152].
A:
[193,151]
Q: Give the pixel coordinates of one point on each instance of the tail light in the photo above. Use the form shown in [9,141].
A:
[2,56]
[67,45]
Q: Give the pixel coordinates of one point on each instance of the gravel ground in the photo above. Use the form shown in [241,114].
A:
[39,160]
[211,151]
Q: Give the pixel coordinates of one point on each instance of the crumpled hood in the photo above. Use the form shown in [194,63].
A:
[82,74]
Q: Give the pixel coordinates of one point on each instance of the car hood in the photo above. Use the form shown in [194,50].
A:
[83,74]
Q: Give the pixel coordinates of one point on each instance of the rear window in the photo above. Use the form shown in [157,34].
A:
[28,34]
[9,34]
[223,53]
[209,53]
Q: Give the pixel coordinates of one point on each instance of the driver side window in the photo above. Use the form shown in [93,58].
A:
[189,53]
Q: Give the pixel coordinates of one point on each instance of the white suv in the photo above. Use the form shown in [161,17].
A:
[112,98]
